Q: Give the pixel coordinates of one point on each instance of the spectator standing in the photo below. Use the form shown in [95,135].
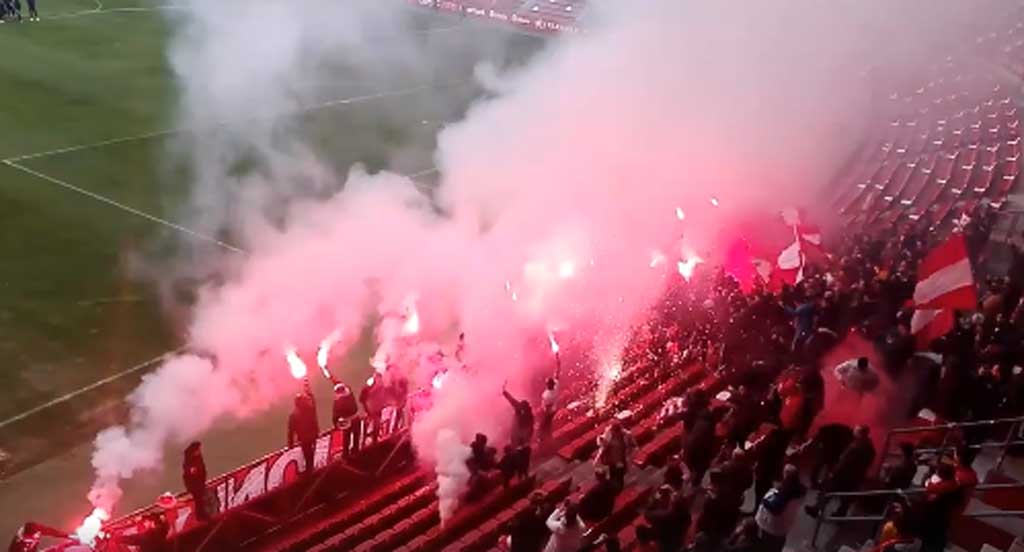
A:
[699,448]
[548,408]
[303,428]
[193,475]
[828,445]
[720,512]
[667,519]
[345,417]
[673,476]
[850,471]
[522,428]
[599,501]
[943,495]
[529,531]
[566,529]
[615,447]
[900,474]
[771,457]
[778,509]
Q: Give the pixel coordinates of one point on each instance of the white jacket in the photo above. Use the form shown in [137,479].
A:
[563,538]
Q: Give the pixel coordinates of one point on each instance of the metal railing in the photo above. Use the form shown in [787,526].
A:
[822,518]
[1014,437]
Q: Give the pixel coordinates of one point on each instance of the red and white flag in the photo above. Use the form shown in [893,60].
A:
[945,283]
[806,246]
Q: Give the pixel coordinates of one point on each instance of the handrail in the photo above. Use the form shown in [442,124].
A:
[954,425]
[985,514]
[1016,426]
[917,490]
[903,492]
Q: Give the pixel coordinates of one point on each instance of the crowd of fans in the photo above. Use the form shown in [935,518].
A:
[768,346]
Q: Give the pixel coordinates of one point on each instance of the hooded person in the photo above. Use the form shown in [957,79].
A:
[193,475]
[303,428]
[345,416]
[522,429]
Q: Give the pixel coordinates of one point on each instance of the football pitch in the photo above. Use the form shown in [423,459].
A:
[89,201]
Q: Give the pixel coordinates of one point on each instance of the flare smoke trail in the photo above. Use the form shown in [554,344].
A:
[452,473]
[561,183]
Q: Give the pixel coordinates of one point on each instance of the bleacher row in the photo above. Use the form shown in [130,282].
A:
[403,513]
[949,145]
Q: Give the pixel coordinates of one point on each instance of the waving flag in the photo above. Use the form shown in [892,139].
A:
[945,283]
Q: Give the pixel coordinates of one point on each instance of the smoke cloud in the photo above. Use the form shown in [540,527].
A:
[555,188]
[452,473]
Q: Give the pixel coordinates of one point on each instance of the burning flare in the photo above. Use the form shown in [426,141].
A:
[554,344]
[688,265]
[92,527]
[438,379]
[412,318]
[324,352]
[295,364]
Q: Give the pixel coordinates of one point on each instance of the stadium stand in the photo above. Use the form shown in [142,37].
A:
[944,158]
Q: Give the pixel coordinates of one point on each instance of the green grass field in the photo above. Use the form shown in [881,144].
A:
[86,101]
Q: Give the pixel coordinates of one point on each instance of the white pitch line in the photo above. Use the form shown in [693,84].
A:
[68,396]
[170,131]
[123,207]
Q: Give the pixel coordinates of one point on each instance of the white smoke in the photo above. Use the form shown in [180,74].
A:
[560,184]
[452,473]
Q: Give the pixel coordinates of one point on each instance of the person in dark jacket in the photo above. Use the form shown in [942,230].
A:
[827,446]
[528,532]
[522,432]
[720,512]
[900,474]
[599,501]
[303,428]
[850,471]
[673,476]
[695,405]
[668,519]
[943,495]
[699,448]
[771,457]
[152,535]
[345,416]
[193,475]
[522,429]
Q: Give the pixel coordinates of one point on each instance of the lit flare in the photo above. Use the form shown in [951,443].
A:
[295,364]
